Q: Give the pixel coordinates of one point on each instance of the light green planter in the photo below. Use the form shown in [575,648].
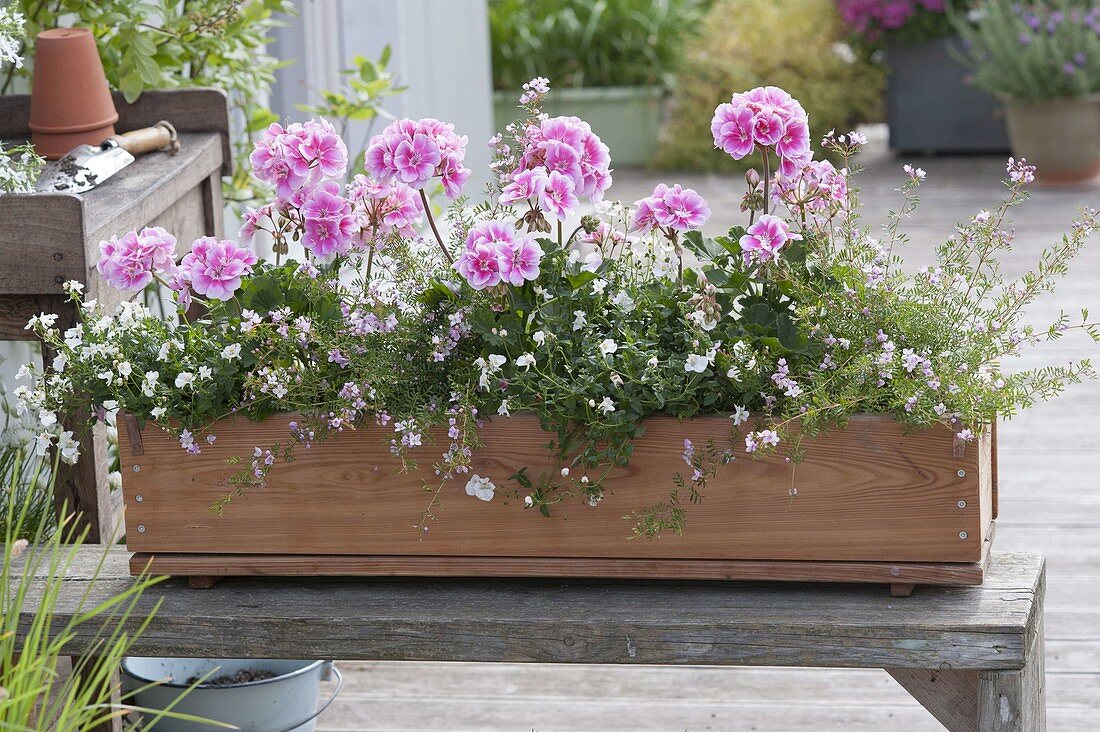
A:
[627,118]
[1060,137]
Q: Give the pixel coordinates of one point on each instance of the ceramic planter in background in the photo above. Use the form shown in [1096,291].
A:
[626,118]
[1060,137]
[930,107]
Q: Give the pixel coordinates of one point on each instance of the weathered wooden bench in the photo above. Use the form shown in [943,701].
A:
[972,656]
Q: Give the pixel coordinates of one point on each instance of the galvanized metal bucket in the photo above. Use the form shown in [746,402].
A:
[285,703]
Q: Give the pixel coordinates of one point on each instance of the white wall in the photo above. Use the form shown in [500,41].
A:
[440,51]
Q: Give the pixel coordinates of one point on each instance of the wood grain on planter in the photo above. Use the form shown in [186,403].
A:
[868,493]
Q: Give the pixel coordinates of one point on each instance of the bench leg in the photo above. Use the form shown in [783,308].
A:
[1015,701]
[983,701]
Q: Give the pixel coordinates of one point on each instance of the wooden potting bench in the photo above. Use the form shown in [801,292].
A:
[973,656]
[48,239]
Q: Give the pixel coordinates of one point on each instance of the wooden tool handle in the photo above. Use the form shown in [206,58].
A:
[161,136]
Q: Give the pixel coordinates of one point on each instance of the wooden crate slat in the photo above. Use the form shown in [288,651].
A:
[866,493]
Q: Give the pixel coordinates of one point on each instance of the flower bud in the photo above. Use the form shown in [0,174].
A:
[752,178]
[589,223]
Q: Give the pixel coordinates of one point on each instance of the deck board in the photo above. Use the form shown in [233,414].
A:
[1050,463]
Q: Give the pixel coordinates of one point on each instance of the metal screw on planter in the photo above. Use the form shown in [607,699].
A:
[137,468]
[285,702]
[962,473]
[141,528]
[963,535]
[962,504]
[139,498]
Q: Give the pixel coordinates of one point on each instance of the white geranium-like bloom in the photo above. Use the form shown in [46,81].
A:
[480,488]
[740,416]
[608,346]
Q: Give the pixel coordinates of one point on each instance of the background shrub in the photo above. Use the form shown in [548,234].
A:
[589,43]
[794,44]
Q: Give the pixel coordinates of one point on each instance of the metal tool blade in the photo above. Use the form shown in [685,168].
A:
[82,169]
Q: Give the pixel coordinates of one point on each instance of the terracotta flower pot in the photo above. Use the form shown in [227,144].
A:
[1060,137]
[70,100]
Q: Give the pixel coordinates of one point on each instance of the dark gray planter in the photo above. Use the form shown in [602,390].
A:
[931,109]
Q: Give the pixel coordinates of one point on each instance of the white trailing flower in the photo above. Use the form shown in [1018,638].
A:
[184,378]
[538,337]
[740,416]
[526,361]
[698,364]
[70,448]
[606,406]
[480,488]
[232,351]
[149,383]
[608,346]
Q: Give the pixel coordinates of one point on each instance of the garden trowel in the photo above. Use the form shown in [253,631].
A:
[86,166]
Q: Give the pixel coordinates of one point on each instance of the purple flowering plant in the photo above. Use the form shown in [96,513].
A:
[1032,51]
[379,313]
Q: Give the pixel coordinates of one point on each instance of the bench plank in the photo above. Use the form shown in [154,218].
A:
[985,628]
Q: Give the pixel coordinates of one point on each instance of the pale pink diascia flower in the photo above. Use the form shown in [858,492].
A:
[214,268]
[329,223]
[415,151]
[558,197]
[670,208]
[130,262]
[765,238]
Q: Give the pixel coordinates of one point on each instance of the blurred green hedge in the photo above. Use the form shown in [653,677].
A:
[590,42]
[798,45]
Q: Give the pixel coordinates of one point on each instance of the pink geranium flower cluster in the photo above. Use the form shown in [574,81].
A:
[763,240]
[562,161]
[871,17]
[765,117]
[672,209]
[415,151]
[496,252]
[818,189]
[129,263]
[384,209]
[213,268]
[298,157]
[328,223]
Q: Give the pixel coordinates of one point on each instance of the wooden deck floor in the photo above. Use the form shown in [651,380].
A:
[1050,502]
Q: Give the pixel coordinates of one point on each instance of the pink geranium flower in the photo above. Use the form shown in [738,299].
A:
[519,262]
[415,160]
[129,263]
[732,130]
[795,140]
[525,185]
[480,265]
[415,151]
[671,209]
[329,223]
[767,128]
[767,117]
[214,268]
[682,209]
[565,145]
[763,240]
[557,196]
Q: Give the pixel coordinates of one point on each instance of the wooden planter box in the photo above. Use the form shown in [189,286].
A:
[873,504]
